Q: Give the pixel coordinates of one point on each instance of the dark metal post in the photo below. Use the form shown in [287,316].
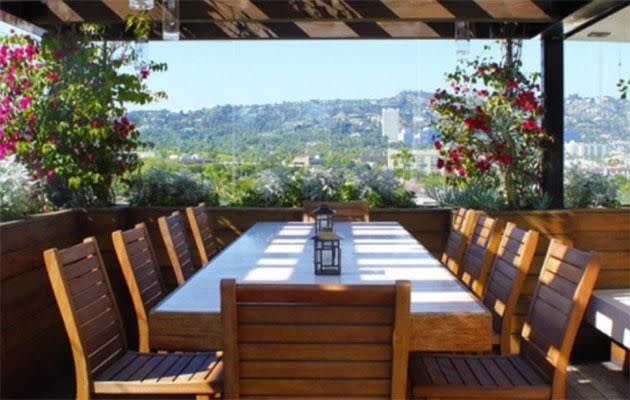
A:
[553,88]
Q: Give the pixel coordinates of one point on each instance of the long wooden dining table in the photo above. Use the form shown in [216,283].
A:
[445,316]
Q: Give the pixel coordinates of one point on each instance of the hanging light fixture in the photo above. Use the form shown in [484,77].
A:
[141,5]
[462,38]
[170,20]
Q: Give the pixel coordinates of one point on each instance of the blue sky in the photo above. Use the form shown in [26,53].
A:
[204,74]
[208,73]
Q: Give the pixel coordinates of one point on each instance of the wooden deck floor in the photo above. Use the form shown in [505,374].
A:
[597,381]
[594,381]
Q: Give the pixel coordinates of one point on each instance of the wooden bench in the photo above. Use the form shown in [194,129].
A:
[609,313]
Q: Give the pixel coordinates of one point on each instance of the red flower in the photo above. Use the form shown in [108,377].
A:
[438,145]
[144,73]
[512,85]
[440,163]
[482,165]
[506,159]
[529,125]
[96,123]
[461,171]
[59,53]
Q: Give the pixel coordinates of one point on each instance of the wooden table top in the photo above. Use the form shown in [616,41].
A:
[372,253]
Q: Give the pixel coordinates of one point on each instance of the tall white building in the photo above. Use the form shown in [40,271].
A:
[390,124]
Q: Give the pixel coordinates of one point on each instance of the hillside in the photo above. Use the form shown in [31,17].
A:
[315,126]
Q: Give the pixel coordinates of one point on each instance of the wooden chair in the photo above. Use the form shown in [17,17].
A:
[327,341]
[102,363]
[173,233]
[506,279]
[539,371]
[204,236]
[345,210]
[480,253]
[142,275]
[463,222]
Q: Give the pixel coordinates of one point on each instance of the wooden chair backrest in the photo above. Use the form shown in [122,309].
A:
[480,253]
[462,224]
[327,341]
[345,210]
[173,233]
[88,309]
[458,216]
[507,276]
[142,275]
[204,236]
[563,291]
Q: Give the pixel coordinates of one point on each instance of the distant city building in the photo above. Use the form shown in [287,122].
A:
[585,150]
[191,159]
[425,160]
[301,162]
[390,124]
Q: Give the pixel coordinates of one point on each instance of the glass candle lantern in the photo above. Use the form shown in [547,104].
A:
[170,20]
[327,253]
[323,218]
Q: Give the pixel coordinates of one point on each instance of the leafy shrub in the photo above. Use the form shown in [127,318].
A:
[476,196]
[588,189]
[19,193]
[157,187]
[283,187]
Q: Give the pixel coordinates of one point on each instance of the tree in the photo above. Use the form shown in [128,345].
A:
[489,124]
[64,111]
[404,158]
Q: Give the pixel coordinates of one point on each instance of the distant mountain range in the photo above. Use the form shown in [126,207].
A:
[354,125]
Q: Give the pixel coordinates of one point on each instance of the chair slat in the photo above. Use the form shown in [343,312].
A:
[313,352]
[203,234]
[506,279]
[174,236]
[142,275]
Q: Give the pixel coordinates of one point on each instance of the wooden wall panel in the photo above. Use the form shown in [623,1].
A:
[34,344]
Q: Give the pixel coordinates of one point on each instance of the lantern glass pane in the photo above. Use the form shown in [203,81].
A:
[170,20]
[141,5]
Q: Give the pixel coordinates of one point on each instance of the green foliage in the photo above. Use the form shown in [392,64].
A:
[473,195]
[68,120]
[158,187]
[589,189]
[284,187]
[20,195]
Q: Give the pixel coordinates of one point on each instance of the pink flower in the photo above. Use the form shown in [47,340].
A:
[440,163]
[144,73]
[52,76]
[59,53]
[461,171]
[90,156]
[96,123]
[437,144]
[25,102]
